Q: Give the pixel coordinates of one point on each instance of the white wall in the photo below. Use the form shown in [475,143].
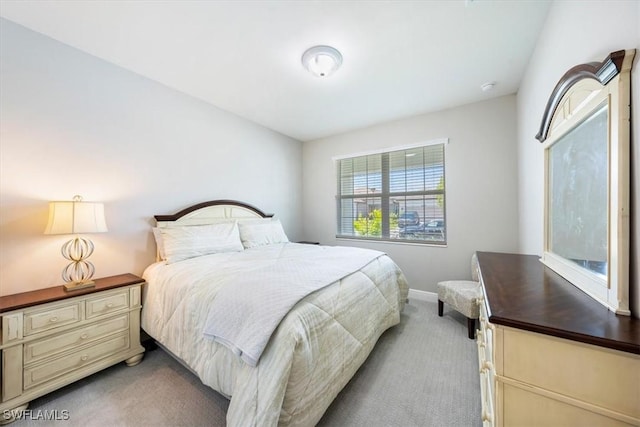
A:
[74,124]
[480,186]
[575,32]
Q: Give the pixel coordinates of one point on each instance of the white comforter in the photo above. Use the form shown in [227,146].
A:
[248,309]
[313,353]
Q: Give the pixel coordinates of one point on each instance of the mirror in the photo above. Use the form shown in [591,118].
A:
[578,175]
[586,131]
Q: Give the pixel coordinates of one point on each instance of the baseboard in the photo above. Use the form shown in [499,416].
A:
[423,295]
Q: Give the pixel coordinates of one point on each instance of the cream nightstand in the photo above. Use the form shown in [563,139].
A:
[51,338]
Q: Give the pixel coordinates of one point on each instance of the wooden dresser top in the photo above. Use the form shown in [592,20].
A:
[56,293]
[523,293]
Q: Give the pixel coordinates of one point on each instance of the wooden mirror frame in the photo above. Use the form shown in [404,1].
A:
[583,91]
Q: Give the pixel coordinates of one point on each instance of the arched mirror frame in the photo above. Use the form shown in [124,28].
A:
[584,92]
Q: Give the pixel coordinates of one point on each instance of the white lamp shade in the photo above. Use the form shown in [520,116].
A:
[76,217]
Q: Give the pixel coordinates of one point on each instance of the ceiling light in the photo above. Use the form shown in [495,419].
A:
[486,87]
[321,61]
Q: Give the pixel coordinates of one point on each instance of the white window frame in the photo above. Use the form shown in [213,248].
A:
[385,196]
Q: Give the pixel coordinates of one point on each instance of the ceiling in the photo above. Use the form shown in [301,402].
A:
[401,58]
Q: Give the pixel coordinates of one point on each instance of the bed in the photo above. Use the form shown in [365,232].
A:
[315,348]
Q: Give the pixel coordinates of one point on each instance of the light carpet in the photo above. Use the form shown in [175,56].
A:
[422,372]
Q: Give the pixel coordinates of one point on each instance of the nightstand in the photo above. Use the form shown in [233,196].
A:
[51,338]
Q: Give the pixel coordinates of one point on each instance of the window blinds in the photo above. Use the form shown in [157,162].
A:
[395,195]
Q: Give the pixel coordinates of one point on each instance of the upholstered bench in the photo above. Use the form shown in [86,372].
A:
[462,296]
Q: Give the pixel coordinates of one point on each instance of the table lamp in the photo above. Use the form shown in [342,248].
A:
[76,217]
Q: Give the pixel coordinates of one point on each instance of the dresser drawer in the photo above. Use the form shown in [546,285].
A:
[37,321]
[608,378]
[106,304]
[524,408]
[41,373]
[50,346]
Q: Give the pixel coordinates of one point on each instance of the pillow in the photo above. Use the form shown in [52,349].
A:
[181,243]
[159,244]
[261,232]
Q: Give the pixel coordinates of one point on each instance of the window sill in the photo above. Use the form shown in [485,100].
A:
[393,242]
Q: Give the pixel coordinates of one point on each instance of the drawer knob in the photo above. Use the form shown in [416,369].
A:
[84,336]
[84,357]
[486,366]
[54,319]
[110,305]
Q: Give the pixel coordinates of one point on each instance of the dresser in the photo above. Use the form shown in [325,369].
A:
[51,338]
[548,354]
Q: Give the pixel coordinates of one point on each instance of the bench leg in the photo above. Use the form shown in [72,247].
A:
[440,308]
[471,325]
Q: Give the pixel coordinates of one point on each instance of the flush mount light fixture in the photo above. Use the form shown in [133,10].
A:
[486,87]
[321,61]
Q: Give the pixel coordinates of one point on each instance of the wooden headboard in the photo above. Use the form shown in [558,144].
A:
[210,213]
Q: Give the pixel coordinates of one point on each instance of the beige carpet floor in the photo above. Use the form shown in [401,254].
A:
[422,372]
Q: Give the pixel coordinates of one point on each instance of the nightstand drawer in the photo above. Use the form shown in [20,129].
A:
[101,305]
[52,317]
[42,373]
[40,349]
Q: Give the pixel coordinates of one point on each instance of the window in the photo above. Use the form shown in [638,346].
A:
[396,195]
